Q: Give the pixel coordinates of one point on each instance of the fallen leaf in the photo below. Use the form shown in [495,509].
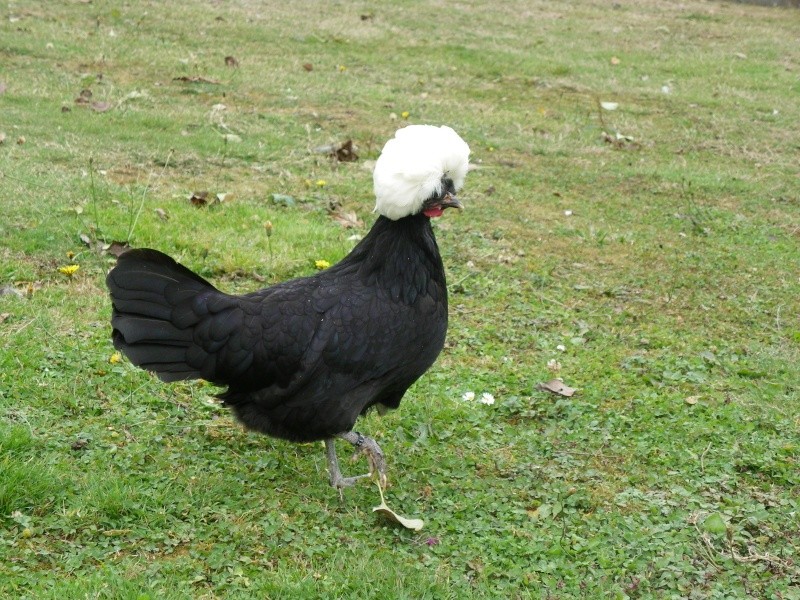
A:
[348,220]
[383,509]
[162,214]
[623,142]
[414,524]
[195,79]
[308,67]
[199,198]
[557,387]
[79,444]
[116,248]
[20,140]
[84,97]
[101,106]
[345,152]
[610,105]
[230,61]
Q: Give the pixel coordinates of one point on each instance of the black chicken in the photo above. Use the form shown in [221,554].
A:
[304,358]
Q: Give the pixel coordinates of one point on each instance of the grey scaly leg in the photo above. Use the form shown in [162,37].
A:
[363,444]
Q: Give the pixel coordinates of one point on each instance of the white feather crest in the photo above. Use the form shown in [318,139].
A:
[411,166]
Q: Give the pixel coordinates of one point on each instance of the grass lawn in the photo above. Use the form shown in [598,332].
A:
[631,226]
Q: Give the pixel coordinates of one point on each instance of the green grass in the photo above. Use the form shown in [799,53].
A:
[669,298]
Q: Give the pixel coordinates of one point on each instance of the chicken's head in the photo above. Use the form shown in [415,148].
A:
[420,170]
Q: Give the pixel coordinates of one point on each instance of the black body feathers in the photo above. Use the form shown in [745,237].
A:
[301,359]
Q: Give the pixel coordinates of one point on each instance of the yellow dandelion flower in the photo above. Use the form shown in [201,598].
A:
[321,183]
[115,358]
[322,264]
[70,254]
[69,270]
[405,114]
[342,68]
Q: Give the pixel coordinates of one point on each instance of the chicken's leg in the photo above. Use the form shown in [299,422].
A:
[363,444]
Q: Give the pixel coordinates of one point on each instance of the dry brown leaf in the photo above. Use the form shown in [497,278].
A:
[345,152]
[348,220]
[621,142]
[79,444]
[230,61]
[308,67]
[116,248]
[84,97]
[557,387]
[199,198]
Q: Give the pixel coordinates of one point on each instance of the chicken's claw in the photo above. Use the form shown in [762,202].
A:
[364,445]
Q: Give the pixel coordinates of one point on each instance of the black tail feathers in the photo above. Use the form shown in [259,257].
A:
[156,304]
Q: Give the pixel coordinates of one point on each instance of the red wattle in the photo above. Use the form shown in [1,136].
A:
[433,212]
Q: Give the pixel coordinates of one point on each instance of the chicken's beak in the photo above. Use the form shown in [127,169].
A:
[450,201]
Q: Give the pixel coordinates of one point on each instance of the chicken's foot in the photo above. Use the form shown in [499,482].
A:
[363,444]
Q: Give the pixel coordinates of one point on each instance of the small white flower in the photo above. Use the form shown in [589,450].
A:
[468,396]
[553,365]
[567,213]
[561,347]
[487,398]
